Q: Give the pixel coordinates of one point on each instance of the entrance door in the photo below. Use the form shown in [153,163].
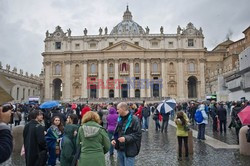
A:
[156,91]
[124,88]
[92,91]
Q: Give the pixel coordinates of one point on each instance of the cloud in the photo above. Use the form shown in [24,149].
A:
[24,23]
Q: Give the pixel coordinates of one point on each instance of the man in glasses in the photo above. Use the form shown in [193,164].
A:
[6,144]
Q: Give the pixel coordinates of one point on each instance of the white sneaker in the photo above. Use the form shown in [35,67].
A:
[146,129]
[142,129]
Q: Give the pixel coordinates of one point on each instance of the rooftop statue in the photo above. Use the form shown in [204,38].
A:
[178,29]
[85,31]
[147,30]
[47,33]
[100,31]
[161,29]
[69,32]
[106,30]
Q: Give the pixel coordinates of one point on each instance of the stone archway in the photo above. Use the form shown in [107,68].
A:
[57,87]
[192,87]
[137,93]
[111,93]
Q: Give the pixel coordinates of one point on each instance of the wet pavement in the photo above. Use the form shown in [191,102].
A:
[160,149]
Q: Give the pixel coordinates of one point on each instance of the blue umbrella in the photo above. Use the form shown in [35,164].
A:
[166,106]
[49,104]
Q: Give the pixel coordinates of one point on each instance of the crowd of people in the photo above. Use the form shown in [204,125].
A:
[75,133]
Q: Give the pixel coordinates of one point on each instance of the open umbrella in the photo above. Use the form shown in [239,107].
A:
[166,106]
[244,115]
[49,104]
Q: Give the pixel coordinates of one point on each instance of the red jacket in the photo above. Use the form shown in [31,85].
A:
[85,110]
[139,112]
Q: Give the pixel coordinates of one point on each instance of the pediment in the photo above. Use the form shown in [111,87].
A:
[124,46]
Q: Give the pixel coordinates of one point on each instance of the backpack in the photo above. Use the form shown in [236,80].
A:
[198,116]
[248,135]
[145,112]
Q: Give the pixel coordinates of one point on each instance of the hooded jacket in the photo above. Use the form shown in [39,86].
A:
[68,145]
[6,144]
[204,114]
[112,119]
[94,142]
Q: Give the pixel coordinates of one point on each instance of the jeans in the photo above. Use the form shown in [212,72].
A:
[164,125]
[111,150]
[201,131]
[125,161]
[157,124]
[185,139]
[145,122]
[224,124]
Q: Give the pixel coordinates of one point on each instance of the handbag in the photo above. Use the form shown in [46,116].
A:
[186,127]
[57,150]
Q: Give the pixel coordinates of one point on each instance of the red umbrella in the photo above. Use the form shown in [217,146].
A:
[73,106]
[244,115]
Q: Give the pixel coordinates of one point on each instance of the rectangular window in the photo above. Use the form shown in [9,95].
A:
[92,45]
[190,42]
[137,78]
[110,43]
[137,43]
[111,78]
[154,44]
[170,44]
[77,46]
[29,92]
[58,45]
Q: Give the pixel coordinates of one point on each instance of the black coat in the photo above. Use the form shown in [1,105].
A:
[222,114]
[34,144]
[6,144]
[132,136]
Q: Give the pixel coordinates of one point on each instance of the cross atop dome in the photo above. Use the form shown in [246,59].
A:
[127,16]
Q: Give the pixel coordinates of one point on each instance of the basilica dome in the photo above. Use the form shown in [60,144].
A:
[127,26]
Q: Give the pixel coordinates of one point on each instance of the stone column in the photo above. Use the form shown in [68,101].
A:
[67,81]
[47,91]
[202,78]
[166,79]
[143,86]
[116,78]
[84,80]
[100,79]
[148,86]
[180,78]
[132,83]
[105,95]
[163,77]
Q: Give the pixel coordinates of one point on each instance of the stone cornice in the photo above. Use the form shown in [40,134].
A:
[47,63]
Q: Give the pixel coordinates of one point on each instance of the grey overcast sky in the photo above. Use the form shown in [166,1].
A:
[23,23]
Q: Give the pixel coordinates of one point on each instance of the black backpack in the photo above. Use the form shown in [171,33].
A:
[248,135]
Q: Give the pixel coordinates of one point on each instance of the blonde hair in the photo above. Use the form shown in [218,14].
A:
[91,116]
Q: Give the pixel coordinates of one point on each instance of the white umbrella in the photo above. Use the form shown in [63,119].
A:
[166,106]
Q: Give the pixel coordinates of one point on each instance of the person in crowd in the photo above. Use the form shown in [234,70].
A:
[68,144]
[236,120]
[192,111]
[157,119]
[182,121]
[127,137]
[222,115]
[57,112]
[6,144]
[54,133]
[138,113]
[85,109]
[17,117]
[34,140]
[112,122]
[145,117]
[93,139]
[72,119]
[214,115]
[231,110]
[203,123]
[105,113]
[165,119]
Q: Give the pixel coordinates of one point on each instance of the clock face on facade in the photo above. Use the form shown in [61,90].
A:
[58,34]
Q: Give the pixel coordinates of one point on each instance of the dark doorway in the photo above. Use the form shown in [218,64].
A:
[137,93]
[92,91]
[192,87]
[57,85]
[156,90]
[124,90]
[111,93]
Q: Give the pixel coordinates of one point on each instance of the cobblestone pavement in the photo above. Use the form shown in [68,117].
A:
[160,149]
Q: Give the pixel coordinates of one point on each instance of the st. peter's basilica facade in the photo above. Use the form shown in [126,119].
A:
[129,62]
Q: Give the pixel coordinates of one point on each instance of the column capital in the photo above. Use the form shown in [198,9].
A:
[46,63]
[181,60]
[84,61]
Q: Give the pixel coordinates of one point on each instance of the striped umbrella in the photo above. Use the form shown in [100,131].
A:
[166,106]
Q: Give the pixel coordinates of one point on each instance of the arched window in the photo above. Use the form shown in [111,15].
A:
[137,68]
[58,69]
[93,68]
[77,69]
[111,68]
[191,67]
[155,67]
